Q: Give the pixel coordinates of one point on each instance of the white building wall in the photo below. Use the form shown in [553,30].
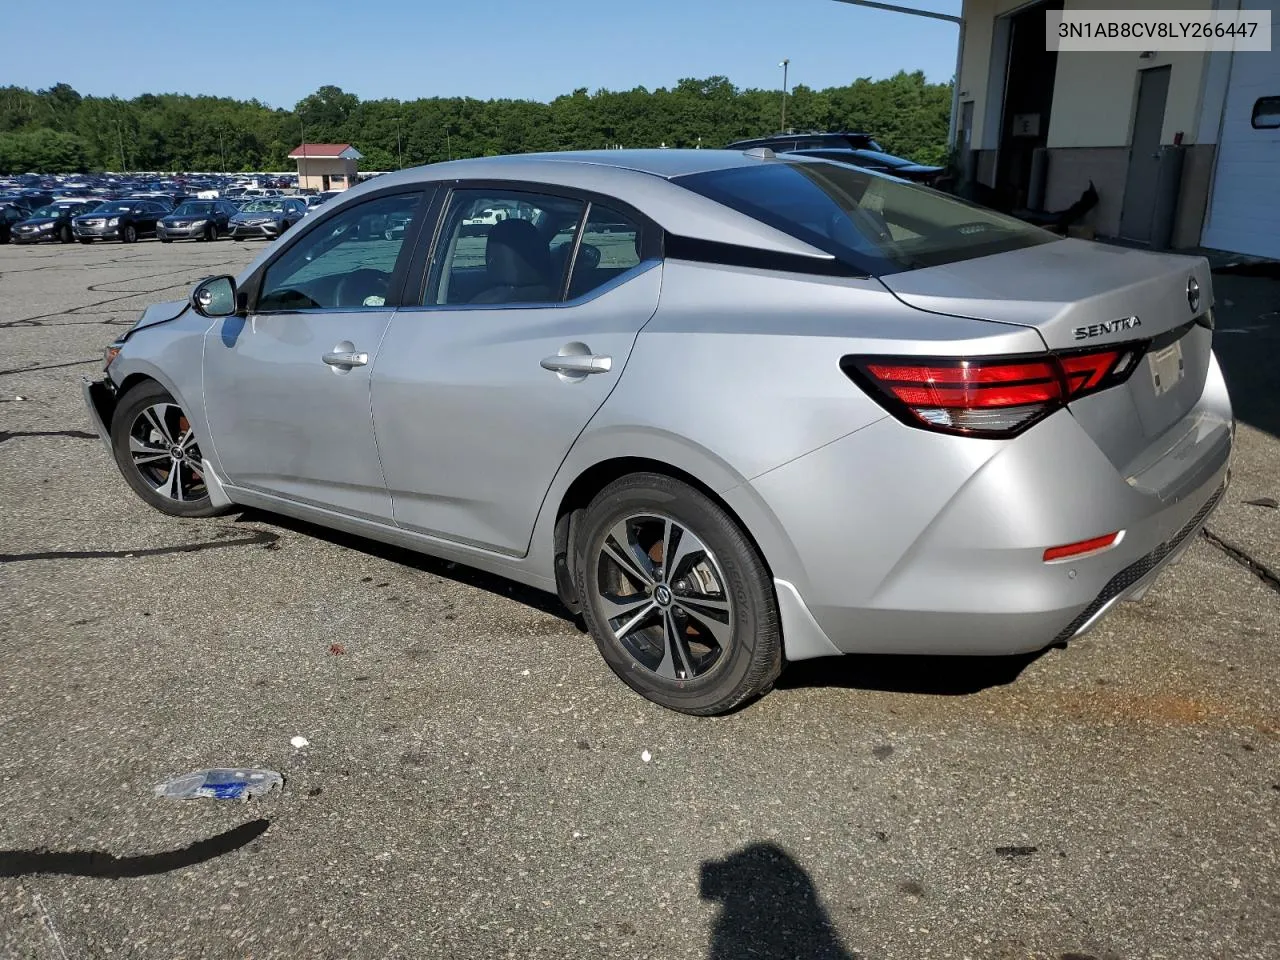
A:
[1095,94]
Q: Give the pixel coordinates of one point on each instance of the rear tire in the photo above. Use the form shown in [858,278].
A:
[157,453]
[701,638]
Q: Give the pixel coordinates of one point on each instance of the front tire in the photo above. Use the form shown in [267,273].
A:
[676,596]
[128,233]
[64,234]
[157,453]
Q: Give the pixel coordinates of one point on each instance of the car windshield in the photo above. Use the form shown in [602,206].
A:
[874,224]
[118,206]
[263,206]
[885,159]
[194,209]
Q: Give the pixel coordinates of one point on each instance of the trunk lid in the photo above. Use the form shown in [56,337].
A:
[1082,296]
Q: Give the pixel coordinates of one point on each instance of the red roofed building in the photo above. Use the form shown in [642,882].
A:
[326,166]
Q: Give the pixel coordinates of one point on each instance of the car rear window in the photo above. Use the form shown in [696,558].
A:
[874,224]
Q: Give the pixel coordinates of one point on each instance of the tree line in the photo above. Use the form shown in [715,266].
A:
[60,131]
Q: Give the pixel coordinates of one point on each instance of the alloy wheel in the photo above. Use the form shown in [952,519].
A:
[665,596]
[163,448]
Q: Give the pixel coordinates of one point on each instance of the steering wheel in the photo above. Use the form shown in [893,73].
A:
[359,285]
[588,256]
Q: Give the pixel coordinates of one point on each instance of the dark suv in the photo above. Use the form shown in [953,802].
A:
[786,142]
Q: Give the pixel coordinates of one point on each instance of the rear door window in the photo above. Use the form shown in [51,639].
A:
[611,245]
[503,247]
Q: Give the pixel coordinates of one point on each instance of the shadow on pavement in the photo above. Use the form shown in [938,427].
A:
[1247,341]
[459,573]
[940,676]
[769,908]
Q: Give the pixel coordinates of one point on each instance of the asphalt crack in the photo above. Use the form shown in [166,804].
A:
[74,434]
[48,366]
[262,538]
[1257,568]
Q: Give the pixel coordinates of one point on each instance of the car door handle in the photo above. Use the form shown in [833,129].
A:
[346,358]
[578,364]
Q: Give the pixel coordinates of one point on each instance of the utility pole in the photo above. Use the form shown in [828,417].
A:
[399,153]
[303,127]
[448,143]
[784,64]
[946,17]
[222,147]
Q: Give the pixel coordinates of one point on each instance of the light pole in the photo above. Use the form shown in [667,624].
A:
[784,64]
[399,154]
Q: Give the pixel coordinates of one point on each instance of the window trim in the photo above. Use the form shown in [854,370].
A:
[423,191]
[1257,104]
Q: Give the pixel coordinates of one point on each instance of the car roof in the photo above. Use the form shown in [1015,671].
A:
[639,178]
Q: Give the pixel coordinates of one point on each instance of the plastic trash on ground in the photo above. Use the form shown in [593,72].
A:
[222,783]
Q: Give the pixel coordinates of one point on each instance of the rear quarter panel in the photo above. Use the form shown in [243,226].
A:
[739,373]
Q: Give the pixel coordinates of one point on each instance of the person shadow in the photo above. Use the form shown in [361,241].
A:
[769,909]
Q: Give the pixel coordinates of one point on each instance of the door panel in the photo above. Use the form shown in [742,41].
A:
[1138,212]
[287,388]
[287,423]
[472,428]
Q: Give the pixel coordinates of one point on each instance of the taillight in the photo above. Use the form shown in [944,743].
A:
[987,396]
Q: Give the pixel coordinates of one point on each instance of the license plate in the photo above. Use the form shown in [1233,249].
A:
[1166,368]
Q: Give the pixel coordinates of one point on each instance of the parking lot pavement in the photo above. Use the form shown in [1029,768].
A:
[475,783]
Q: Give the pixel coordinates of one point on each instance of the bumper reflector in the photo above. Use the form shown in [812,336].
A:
[1069,551]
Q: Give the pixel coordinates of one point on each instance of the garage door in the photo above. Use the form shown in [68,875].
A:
[1244,214]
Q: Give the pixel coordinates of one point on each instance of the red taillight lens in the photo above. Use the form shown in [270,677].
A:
[985,396]
[1072,550]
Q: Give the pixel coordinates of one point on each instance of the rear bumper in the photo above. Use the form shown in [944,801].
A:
[911,542]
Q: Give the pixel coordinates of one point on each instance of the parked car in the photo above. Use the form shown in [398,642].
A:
[266,217]
[10,215]
[22,201]
[795,409]
[811,140]
[197,220]
[51,222]
[124,220]
[932,176]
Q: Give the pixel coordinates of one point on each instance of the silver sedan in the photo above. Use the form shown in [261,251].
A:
[735,409]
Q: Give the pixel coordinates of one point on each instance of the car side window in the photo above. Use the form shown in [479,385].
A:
[503,247]
[611,244]
[345,262]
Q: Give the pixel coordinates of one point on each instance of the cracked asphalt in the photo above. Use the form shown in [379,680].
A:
[475,783]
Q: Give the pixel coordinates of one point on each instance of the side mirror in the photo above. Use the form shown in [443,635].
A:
[215,297]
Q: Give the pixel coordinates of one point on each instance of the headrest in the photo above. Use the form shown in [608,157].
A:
[516,254]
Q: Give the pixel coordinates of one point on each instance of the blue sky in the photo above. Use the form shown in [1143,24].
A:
[535,49]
